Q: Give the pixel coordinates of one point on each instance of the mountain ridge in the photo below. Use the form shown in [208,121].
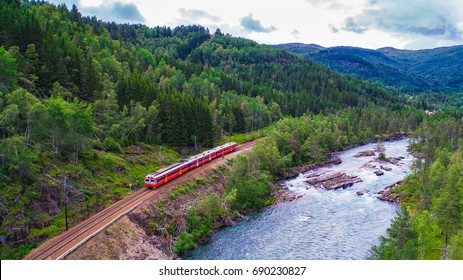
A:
[437,70]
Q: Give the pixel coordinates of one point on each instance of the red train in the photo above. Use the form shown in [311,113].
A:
[164,175]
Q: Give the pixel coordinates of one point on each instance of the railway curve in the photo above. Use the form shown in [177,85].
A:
[61,245]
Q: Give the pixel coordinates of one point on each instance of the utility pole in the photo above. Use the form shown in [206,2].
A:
[160,154]
[66,202]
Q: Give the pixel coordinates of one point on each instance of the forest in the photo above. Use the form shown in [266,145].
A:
[430,225]
[87,102]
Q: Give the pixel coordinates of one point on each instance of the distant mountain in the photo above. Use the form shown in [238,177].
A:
[438,70]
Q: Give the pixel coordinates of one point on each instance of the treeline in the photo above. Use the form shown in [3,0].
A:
[430,225]
[291,142]
[55,52]
[309,139]
[74,90]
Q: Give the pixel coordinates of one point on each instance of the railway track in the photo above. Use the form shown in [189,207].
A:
[64,243]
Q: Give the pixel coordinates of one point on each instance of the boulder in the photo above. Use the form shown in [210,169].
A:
[385,168]
[334,181]
[387,193]
[295,171]
[367,153]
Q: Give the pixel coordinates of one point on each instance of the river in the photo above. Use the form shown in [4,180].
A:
[322,224]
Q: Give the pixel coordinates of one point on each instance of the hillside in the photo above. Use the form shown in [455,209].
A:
[436,70]
[87,108]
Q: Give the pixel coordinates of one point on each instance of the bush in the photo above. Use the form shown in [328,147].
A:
[111,144]
[214,178]
[201,181]
[211,207]
[199,227]
[186,241]
[179,190]
[252,191]
[382,156]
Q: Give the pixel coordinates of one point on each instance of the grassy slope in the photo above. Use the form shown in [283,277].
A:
[97,180]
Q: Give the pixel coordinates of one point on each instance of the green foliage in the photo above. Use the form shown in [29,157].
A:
[307,139]
[434,193]
[400,242]
[186,241]
[179,190]
[201,181]
[455,248]
[429,235]
[199,228]
[250,187]
[76,94]
[214,178]
[408,71]
[211,207]
[8,253]
[8,69]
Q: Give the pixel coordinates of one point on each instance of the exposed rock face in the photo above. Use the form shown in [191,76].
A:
[379,173]
[392,160]
[385,168]
[368,153]
[124,240]
[333,181]
[49,200]
[283,194]
[388,193]
[16,227]
[361,192]
[294,172]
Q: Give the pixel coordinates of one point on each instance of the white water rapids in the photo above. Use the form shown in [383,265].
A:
[322,224]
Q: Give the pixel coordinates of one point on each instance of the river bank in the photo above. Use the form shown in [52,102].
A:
[151,231]
[321,223]
[333,158]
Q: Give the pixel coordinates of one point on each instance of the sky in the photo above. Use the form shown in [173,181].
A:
[373,24]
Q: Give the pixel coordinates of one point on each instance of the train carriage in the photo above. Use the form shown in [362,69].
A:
[168,173]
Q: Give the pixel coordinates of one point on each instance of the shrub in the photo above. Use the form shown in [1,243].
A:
[186,241]
[214,178]
[201,181]
[111,144]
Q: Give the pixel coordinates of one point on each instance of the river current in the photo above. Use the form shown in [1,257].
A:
[322,224]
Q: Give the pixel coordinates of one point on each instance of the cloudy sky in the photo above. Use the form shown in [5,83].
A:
[403,24]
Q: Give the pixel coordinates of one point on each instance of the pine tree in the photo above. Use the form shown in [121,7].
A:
[400,242]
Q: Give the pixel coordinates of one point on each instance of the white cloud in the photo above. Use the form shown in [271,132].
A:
[254,25]
[362,23]
[295,33]
[421,22]
[107,10]
[198,15]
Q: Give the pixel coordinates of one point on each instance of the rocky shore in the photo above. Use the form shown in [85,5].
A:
[388,193]
[295,171]
[283,194]
[332,181]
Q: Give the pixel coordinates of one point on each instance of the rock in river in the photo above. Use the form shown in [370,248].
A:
[334,181]
[385,168]
[368,153]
